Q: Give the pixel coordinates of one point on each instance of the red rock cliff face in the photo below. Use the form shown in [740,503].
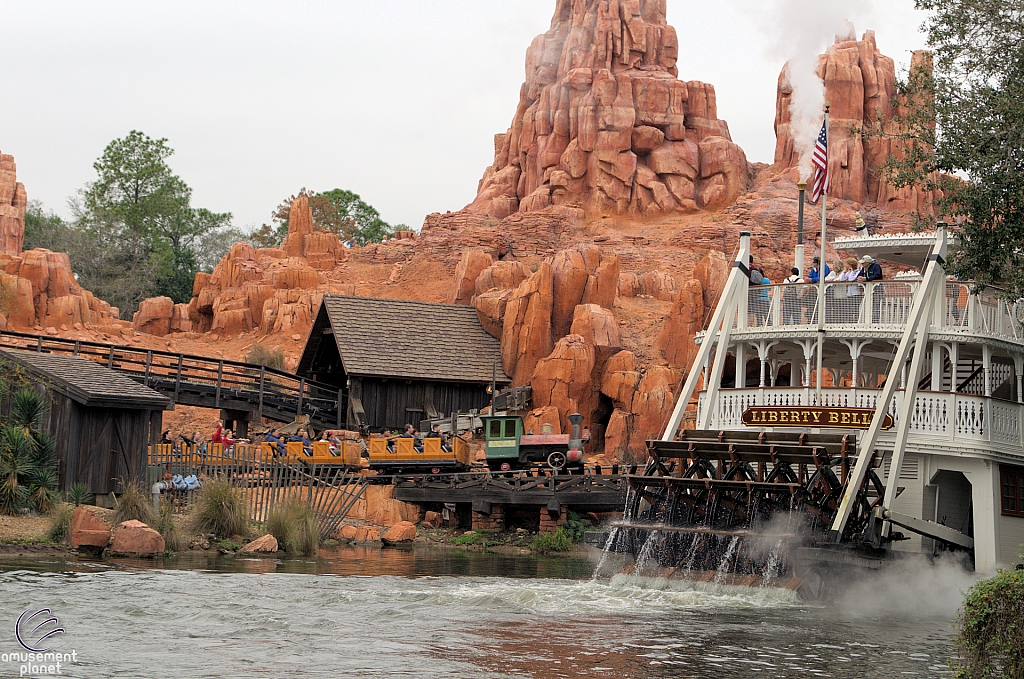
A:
[605,125]
[13,201]
[859,86]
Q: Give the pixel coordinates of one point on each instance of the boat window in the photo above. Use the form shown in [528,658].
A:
[495,430]
[510,429]
[1013,490]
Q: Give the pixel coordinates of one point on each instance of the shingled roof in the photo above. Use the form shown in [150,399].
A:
[87,382]
[397,338]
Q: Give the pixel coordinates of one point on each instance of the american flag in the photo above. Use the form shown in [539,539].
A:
[820,162]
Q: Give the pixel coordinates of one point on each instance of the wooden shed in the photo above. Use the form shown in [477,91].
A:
[102,420]
[398,361]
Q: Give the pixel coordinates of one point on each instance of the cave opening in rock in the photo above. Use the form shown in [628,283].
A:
[599,423]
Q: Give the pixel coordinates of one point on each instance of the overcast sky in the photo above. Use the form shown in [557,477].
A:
[397,101]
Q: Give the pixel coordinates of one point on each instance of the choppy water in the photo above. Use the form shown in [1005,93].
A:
[426,612]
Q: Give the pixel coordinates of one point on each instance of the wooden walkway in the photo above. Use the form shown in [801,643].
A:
[205,382]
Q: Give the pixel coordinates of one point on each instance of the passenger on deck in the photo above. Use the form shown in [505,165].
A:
[814,273]
[854,293]
[165,438]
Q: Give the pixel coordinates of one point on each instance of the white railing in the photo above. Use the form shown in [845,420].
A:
[881,304]
[952,418]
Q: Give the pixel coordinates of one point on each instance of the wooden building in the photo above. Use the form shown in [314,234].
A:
[102,421]
[399,361]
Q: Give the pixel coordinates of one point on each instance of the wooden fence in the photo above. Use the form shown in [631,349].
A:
[263,480]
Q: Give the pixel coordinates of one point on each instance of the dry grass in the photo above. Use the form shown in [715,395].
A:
[294,525]
[134,503]
[219,509]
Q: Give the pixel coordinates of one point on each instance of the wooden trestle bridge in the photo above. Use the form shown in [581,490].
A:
[251,390]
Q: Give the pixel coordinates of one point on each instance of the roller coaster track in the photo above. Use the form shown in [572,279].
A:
[202,381]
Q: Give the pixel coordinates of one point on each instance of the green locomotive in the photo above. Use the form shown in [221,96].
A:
[508,447]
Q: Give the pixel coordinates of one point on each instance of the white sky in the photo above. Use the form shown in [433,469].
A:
[395,100]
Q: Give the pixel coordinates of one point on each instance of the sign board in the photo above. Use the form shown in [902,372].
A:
[812,416]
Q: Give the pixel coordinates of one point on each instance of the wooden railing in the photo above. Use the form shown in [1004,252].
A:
[202,381]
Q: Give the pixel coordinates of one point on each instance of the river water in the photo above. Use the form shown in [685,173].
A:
[431,612]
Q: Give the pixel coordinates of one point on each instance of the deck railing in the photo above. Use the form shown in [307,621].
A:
[880,304]
[963,419]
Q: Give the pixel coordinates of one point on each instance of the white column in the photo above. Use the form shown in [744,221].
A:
[741,366]
[936,366]
[986,367]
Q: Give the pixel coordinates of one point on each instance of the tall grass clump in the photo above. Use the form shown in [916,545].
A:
[60,522]
[559,541]
[133,504]
[168,527]
[220,509]
[294,526]
[270,358]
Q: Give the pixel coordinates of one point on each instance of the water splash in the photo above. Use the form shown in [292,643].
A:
[723,566]
[604,554]
[645,552]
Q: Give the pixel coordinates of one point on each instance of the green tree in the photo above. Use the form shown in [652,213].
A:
[961,130]
[337,211]
[140,215]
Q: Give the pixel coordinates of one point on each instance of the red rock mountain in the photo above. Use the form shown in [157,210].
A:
[605,125]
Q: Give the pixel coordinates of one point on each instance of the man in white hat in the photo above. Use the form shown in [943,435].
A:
[870,270]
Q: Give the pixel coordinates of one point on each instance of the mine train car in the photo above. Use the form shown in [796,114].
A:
[407,455]
[508,447]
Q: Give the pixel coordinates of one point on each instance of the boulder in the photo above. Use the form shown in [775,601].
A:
[88,530]
[366,534]
[538,417]
[403,531]
[265,544]
[470,267]
[620,379]
[134,538]
[154,316]
[347,533]
[490,310]
[712,271]
[598,328]
[502,276]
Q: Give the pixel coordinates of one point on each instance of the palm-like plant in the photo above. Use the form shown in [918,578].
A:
[28,468]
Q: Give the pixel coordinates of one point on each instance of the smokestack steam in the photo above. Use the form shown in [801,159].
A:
[805,28]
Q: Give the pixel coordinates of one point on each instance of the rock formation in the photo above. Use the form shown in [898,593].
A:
[39,291]
[604,123]
[13,201]
[269,289]
[859,86]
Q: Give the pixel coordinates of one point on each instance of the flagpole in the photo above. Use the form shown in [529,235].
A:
[821,272]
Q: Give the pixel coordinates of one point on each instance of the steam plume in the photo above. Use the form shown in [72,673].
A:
[804,29]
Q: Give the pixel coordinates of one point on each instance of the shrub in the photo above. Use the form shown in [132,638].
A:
[60,522]
[261,355]
[559,541]
[168,527]
[133,504]
[220,510]
[78,494]
[990,629]
[28,468]
[294,526]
